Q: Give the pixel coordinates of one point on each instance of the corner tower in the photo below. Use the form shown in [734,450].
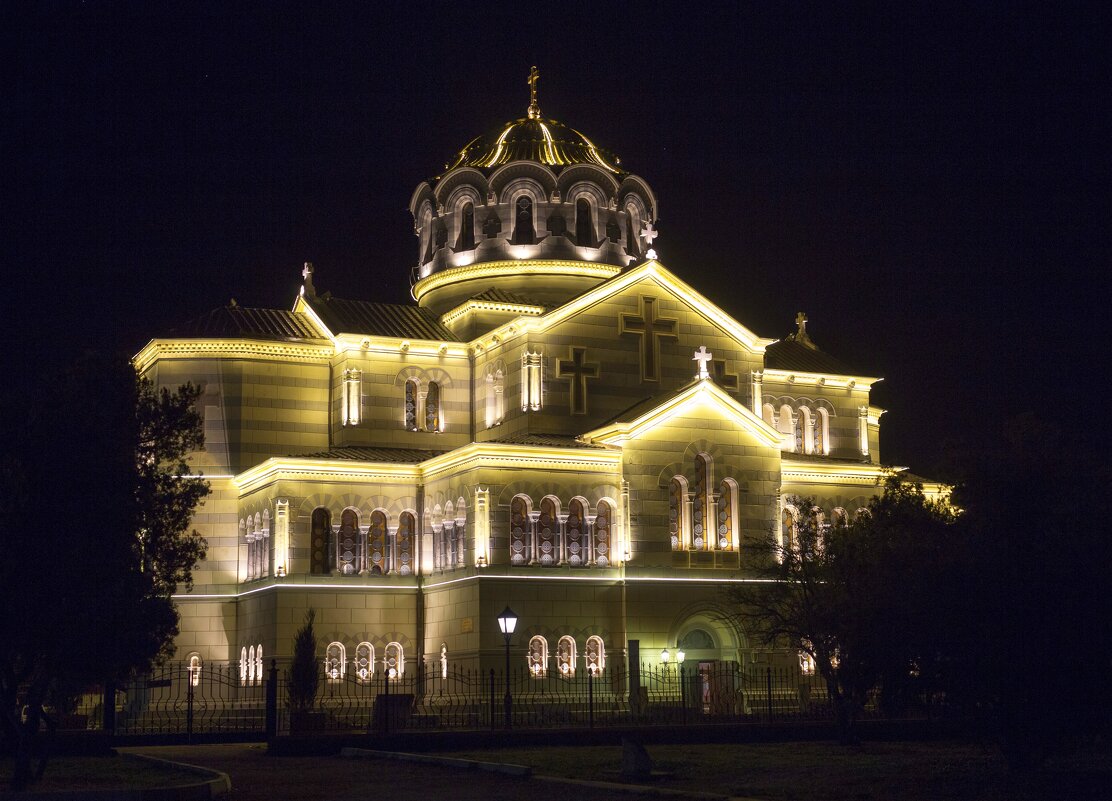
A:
[530,213]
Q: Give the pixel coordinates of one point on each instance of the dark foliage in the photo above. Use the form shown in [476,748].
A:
[304,670]
[94,534]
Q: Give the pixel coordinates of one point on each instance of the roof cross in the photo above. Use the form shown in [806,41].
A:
[534,110]
[702,356]
[801,321]
[648,233]
[307,274]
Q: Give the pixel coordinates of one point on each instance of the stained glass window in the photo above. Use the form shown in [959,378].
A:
[547,531]
[603,521]
[377,544]
[727,502]
[321,540]
[432,407]
[348,543]
[699,539]
[676,491]
[411,404]
[565,657]
[595,655]
[364,661]
[576,544]
[519,530]
[538,657]
[407,525]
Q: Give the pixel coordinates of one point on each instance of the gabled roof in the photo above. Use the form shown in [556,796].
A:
[361,454]
[240,321]
[650,413]
[496,295]
[367,318]
[787,354]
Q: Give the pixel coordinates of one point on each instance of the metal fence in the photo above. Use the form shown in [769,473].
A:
[225,700]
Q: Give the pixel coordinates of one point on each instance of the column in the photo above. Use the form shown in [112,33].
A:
[534,546]
[758,392]
[562,546]
[863,428]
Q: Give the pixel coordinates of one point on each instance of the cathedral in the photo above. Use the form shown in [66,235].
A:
[558,424]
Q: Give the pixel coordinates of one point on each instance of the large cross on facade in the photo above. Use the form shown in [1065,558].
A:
[702,356]
[577,370]
[652,329]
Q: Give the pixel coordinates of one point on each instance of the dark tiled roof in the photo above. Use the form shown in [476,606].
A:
[378,319]
[817,458]
[544,440]
[496,295]
[393,455]
[787,354]
[239,321]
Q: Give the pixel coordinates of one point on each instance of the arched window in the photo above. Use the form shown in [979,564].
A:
[575,532]
[524,233]
[862,515]
[348,545]
[727,514]
[565,657]
[547,531]
[426,232]
[251,665]
[677,492]
[376,544]
[538,657]
[443,660]
[633,230]
[699,539]
[194,669]
[466,239]
[789,540]
[770,414]
[595,655]
[320,541]
[407,526]
[839,518]
[411,404]
[797,430]
[604,519]
[258,663]
[519,530]
[364,661]
[432,407]
[787,427]
[243,665]
[489,384]
[450,535]
[584,225]
[822,432]
[335,661]
[807,428]
[395,660]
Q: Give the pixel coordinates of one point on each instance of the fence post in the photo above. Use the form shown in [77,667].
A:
[108,708]
[386,693]
[633,659]
[492,712]
[189,708]
[590,698]
[768,687]
[272,700]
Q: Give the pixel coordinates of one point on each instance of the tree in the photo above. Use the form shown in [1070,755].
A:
[95,506]
[304,672]
[848,596]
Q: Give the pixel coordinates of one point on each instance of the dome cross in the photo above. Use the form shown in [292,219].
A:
[534,110]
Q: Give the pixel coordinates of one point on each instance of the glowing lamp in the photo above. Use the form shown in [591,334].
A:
[507,621]
[665,656]
[680,656]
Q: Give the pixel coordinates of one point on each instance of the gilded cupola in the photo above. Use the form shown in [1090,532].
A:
[534,208]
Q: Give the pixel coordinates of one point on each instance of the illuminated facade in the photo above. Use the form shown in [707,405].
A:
[559,423]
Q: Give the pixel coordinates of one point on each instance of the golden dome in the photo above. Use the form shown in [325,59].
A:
[535,139]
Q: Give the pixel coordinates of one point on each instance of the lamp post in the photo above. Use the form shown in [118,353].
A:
[507,622]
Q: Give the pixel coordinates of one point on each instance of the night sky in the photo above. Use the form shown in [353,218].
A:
[930,186]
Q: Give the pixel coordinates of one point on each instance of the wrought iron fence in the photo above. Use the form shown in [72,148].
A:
[225,700]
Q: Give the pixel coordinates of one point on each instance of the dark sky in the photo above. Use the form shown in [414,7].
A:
[930,185]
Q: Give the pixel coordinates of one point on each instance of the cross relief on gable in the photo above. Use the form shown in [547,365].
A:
[576,369]
[652,329]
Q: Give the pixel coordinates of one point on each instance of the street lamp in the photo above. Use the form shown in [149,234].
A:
[507,622]
[680,655]
[665,655]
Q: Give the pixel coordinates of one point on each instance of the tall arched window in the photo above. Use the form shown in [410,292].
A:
[547,533]
[807,427]
[432,407]
[348,545]
[466,240]
[699,536]
[787,427]
[364,661]
[377,544]
[524,232]
[727,514]
[195,666]
[565,656]
[822,432]
[443,660]
[411,404]
[677,492]
[320,541]
[395,660]
[770,414]
[335,661]
[258,663]
[584,225]
[538,657]
[839,518]
[407,526]
[575,532]
[519,530]
[450,535]
[243,665]
[595,655]
[604,519]
[633,230]
[491,417]
[251,665]
[789,539]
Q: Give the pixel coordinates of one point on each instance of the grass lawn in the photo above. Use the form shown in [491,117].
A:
[828,772]
[100,773]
